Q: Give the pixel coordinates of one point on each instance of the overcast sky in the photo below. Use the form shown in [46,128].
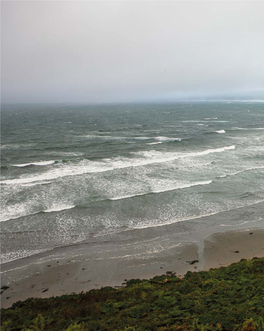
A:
[63,51]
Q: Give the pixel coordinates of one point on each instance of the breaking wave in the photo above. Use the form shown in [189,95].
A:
[220,131]
[164,190]
[87,166]
[38,163]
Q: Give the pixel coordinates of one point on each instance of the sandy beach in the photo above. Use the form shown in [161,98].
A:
[222,249]
[69,269]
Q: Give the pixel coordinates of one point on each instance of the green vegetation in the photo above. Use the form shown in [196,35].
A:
[230,298]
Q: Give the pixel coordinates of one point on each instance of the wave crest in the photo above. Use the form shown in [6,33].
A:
[180,187]
[38,163]
[86,166]
[220,131]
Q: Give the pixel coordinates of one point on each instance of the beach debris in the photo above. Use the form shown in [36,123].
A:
[46,289]
[171,273]
[4,288]
[193,262]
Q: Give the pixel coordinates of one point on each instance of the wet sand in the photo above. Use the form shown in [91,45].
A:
[49,277]
[71,270]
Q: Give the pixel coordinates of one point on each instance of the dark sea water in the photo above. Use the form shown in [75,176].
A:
[70,173]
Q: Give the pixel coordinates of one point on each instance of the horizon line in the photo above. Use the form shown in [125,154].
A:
[129,102]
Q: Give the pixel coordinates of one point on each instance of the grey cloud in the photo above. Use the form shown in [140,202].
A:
[130,51]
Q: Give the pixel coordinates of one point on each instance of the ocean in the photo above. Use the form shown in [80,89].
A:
[74,173]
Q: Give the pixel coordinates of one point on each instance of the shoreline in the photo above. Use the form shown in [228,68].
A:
[73,272]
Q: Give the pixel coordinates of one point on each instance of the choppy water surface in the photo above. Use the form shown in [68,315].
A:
[74,172]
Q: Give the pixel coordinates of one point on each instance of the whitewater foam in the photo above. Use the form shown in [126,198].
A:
[58,208]
[220,131]
[241,171]
[38,163]
[92,136]
[15,255]
[36,183]
[151,225]
[173,156]
[12,215]
[162,139]
[246,129]
[86,166]
[15,214]
[179,187]
[167,139]
[205,121]
[66,153]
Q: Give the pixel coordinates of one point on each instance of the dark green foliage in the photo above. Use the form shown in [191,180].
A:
[230,298]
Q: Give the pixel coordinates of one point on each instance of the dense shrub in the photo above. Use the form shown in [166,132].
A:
[230,298]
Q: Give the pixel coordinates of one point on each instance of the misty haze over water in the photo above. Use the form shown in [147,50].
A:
[99,52]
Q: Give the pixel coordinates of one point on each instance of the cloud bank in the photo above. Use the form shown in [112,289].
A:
[131,51]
